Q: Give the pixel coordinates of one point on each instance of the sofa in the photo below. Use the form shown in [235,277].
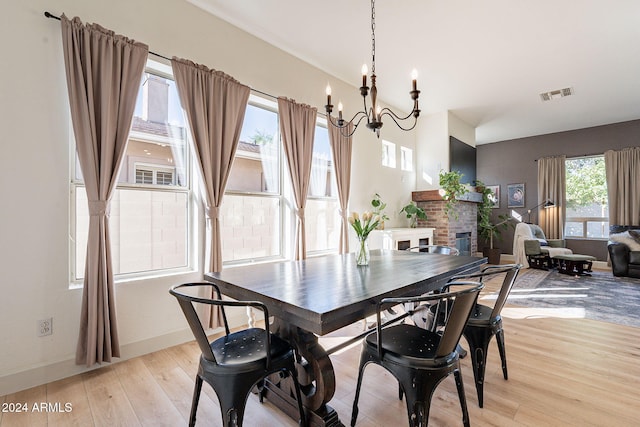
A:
[624,250]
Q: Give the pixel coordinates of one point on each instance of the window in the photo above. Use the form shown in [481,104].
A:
[150,210]
[255,208]
[587,213]
[406,159]
[321,212]
[146,174]
[252,208]
[388,154]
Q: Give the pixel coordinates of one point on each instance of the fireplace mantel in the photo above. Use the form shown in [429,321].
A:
[437,195]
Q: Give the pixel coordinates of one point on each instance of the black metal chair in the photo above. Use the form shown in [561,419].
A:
[419,358]
[235,363]
[485,322]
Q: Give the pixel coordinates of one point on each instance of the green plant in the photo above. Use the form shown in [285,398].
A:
[486,228]
[378,207]
[414,213]
[453,189]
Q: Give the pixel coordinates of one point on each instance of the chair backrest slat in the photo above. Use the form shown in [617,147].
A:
[463,302]
[188,306]
[505,289]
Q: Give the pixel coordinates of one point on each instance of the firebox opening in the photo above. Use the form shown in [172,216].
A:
[463,243]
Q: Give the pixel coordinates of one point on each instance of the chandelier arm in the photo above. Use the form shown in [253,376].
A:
[335,123]
[355,126]
[397,119]
[362,116]
[387,111]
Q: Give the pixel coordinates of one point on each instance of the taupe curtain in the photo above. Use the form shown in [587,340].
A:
[297,128]
[341,148]
[103,76]
[215,105]
[623,185]
[551,185]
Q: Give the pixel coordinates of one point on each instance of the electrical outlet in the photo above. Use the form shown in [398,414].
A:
[45,327]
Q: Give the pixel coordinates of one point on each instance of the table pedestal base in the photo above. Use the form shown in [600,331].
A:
[315,375]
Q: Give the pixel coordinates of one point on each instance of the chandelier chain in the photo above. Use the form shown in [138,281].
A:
[373,115]
[373,37]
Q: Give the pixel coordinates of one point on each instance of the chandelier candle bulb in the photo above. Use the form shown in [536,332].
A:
[328,90]
[339,110]
[365,71]
[414,78]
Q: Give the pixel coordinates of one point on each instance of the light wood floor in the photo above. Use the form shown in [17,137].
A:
[563,371]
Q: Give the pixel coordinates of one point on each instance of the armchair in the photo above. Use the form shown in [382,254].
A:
[624,250]
[531,248]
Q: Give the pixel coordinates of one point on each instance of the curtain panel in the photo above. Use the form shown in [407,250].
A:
[215,105]
[623,185]
[103,71]
[341,149]
[297,128]
[551,185]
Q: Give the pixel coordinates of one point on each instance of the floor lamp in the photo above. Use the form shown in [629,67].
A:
[546,204]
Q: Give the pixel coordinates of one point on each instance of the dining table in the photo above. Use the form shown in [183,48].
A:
[319,295]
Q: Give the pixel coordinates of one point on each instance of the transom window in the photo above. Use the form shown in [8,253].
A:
[388,154]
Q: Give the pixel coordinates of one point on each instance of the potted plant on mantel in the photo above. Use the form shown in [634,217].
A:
[486,229]
[453,189]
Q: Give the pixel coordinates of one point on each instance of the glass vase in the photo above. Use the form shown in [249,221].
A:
[362,251]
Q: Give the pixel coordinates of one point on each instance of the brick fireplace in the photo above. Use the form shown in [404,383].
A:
[450,231]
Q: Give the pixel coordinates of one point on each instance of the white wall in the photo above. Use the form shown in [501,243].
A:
[34,170]
[433,146]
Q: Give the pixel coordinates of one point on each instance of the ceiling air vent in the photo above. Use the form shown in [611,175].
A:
[556,94]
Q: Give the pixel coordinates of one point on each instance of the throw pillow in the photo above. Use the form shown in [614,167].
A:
[635,234]
[627,239]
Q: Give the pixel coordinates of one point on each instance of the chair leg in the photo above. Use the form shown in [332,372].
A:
[462,397]
[354,411]
[478,339]
[194,403]
[296,385]
[503,353]
[232,404]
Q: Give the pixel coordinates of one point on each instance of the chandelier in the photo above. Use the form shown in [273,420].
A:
[375,113]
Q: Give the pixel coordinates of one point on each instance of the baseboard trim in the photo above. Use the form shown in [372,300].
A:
[39,375]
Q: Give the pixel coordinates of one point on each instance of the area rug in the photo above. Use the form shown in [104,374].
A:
[600,296]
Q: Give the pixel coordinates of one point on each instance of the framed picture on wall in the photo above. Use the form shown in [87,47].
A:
[515,196]
[495,195]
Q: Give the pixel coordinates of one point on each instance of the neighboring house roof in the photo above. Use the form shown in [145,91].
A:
[159,129]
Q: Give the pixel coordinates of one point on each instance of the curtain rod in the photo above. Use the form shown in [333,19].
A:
[52,16]
[579,156]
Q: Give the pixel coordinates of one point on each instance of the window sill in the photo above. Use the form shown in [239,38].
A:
[139,277]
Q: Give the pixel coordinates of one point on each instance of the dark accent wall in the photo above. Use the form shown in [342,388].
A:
[514,161]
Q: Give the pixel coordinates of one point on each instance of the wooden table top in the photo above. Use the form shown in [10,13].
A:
[324,294]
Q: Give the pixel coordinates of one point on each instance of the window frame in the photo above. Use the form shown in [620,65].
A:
[388,157]
[259,102]
[322,123]
[584,220]
[76,183]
